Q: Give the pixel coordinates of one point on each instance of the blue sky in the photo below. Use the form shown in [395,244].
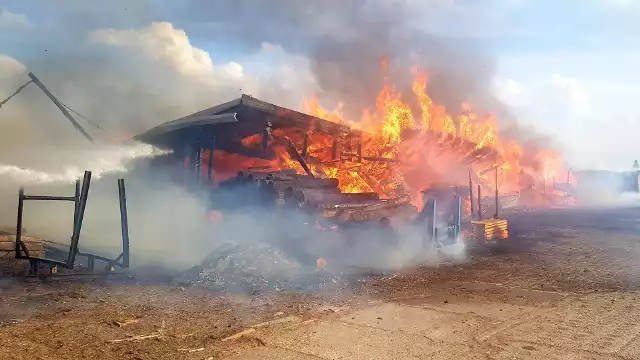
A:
[568,68]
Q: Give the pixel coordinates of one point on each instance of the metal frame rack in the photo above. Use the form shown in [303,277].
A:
[79,200]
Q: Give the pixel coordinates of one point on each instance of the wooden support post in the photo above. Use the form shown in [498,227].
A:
[479,203]
[495,216]
[334,148]
[305,146]
[210,168]
[198,164]
[471,196]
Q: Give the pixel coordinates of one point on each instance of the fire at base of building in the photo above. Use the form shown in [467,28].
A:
[249,152]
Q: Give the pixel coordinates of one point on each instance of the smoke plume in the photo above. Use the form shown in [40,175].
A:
[127,66]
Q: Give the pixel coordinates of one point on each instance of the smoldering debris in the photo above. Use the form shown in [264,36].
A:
[254,268]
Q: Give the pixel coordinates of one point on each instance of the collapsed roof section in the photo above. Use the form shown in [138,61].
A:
[232,121]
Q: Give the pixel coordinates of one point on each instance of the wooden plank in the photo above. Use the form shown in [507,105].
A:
[308,183]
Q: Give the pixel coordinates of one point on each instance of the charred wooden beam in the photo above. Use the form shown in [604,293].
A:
[294,153]
[371,213]
[238,148]
[287,173]
[334,148]
[317,197]
[308,183]
[379,158]
[305,146]
[347,211]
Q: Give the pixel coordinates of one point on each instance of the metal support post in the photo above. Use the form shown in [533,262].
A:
[124,222]
[75,237]
[430,235]
[457,215]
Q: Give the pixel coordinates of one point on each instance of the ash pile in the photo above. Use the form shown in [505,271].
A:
[255,268]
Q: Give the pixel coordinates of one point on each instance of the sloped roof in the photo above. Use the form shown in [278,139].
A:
[229,112]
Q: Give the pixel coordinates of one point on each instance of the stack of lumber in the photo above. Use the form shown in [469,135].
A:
[8,261]
[491,229]
[323,197]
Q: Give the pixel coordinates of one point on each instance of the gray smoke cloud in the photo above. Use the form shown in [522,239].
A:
[345,41]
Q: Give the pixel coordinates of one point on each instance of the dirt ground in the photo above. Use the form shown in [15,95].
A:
[591,254]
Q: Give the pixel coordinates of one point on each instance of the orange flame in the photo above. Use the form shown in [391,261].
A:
[402,153]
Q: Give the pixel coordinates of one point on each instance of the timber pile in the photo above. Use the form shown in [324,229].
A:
[506,201]
[321,196]
[8,261]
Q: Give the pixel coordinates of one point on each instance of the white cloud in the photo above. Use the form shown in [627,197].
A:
[10,19]
[10,67]
[144,76]
[595,122]
[268,73]
[160,42]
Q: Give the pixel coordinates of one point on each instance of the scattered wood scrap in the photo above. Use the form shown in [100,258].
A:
[137,338]
[240,334]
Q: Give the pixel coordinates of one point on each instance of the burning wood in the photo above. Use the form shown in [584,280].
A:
[393,153]
[330,199]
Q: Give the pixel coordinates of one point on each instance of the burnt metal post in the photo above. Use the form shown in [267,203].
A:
[60,106]
[124,222]
[359,149]
[76,203]
[497,197]
[429,212]
[479,202]
[471,195]
[75,237]
[19,226]
[457,215]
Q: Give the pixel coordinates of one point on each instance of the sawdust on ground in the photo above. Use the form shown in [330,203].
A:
[561,251]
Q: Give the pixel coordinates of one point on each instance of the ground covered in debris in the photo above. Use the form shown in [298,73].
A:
[580,252]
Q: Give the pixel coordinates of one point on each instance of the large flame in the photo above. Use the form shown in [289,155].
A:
[402,152]
[434,148]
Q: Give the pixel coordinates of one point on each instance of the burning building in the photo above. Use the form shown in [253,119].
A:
[389,152]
